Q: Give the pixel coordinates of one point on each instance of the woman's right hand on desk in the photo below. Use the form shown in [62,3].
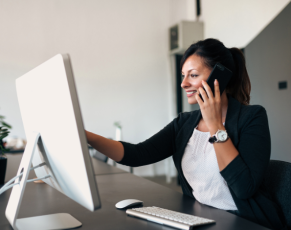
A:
[110,148]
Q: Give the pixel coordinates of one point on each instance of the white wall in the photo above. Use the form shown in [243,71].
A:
[118,51]
[235,22]
[182,10]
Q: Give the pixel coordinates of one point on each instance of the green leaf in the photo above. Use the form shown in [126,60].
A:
[2,150]
[3,136]
[117,124]
[2,117]
[6,133]
[6,125]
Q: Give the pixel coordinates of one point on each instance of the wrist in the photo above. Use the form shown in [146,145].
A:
[214,129]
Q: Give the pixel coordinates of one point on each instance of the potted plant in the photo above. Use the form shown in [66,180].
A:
[4,131]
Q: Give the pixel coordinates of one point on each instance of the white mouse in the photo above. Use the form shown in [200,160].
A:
[128,203]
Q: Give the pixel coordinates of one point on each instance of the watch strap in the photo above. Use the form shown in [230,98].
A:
[212,139]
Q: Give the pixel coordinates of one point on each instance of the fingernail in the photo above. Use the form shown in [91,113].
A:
[215,82]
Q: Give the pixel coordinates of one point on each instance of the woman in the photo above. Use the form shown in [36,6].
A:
[226,175]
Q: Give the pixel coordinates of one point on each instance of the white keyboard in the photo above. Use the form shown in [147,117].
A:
[168,217]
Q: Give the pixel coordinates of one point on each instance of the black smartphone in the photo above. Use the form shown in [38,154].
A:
[223,76]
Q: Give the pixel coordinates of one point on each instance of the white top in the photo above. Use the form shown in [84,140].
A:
[200,168]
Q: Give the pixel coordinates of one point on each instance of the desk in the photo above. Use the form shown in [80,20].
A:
[41,199]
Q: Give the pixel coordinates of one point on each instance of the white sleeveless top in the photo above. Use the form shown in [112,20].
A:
[200,168]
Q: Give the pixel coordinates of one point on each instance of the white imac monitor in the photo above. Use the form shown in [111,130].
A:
[55,137]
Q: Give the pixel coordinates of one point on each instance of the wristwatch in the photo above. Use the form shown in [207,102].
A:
[219,136]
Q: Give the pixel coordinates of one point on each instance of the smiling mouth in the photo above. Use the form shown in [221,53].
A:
[191,92]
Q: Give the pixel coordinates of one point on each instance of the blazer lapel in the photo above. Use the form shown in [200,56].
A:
[231,120]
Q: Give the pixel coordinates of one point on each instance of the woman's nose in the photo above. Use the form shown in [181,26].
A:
[185,83]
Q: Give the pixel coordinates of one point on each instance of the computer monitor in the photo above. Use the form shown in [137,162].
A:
[55,134]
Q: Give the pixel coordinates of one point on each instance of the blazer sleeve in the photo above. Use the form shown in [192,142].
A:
[245,173]
[156,148]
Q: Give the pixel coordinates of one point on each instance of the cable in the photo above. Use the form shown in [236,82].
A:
[45,177]
[10,186]
[41,164]
[7,187]
[16,177]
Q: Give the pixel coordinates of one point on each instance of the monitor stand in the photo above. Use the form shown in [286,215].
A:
[52,221]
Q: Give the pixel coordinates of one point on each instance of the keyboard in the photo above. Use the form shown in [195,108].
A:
[168,217]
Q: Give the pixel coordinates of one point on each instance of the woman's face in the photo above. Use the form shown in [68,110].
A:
[193,72]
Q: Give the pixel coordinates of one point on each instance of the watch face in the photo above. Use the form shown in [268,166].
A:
[222,135]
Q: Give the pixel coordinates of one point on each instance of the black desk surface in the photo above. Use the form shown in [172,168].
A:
[41,199]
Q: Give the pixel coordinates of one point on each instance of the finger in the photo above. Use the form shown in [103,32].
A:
[208,90]
[203,94]
[217,90]
[199,100]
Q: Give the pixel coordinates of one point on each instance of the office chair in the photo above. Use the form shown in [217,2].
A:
[278,184]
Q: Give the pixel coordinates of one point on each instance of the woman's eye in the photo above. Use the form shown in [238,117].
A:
[193,75]
[182,76]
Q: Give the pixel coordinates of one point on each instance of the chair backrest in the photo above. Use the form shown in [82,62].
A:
[278,184]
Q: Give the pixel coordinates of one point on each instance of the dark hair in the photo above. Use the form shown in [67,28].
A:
[213,51]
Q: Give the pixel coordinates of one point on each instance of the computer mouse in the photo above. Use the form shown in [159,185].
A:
[128,203]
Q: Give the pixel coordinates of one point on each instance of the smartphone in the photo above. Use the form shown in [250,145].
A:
[223,76]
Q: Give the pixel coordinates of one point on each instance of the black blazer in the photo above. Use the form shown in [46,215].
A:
[248,129]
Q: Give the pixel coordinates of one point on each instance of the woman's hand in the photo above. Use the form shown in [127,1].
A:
[211,107]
